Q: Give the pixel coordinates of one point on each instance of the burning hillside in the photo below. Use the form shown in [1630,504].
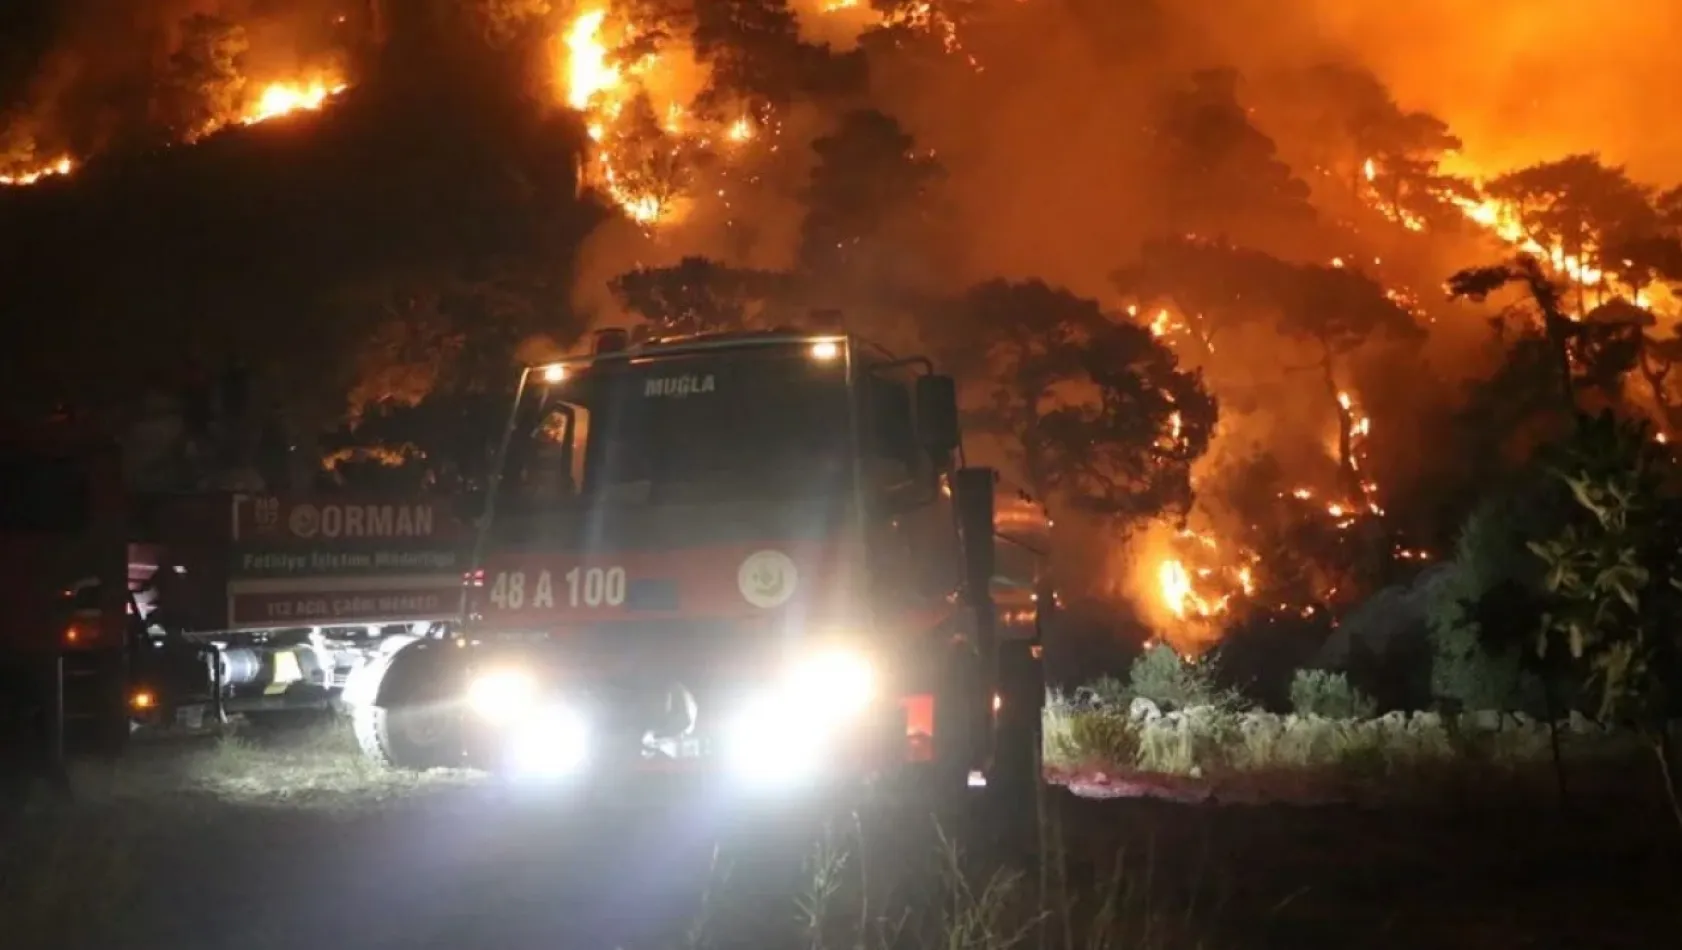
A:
[1275,237]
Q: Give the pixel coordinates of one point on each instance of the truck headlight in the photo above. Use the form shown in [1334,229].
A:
[502,695]
[552,742]
[787,733]
[832,683]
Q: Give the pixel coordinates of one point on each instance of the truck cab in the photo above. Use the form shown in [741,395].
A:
[750,552]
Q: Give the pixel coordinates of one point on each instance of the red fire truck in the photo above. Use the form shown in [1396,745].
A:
[62,636]
[758,555]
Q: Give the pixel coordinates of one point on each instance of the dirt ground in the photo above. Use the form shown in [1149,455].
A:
[294,843]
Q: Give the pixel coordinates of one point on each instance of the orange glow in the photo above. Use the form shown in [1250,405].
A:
[62,166]
[284,98]
[588,74]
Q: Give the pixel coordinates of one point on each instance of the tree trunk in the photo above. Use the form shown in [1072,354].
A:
[1349,472]
[1555,323]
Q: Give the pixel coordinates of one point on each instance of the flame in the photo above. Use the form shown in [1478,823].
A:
[638,174]
[1186,583]
[1501,220]
[276,99]
[30,176]
[284,98]
[588,75]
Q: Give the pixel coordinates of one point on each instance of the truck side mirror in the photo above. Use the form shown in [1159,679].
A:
[937,416]
[972,500]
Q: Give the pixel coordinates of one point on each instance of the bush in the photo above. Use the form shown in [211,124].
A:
[1490,582]
[1107,692]
[1099,738]
[1163,677]
[1328,694]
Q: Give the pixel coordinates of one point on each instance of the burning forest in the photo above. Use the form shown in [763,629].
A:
[1259,321]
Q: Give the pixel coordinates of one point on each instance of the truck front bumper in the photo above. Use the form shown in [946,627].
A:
[759,744]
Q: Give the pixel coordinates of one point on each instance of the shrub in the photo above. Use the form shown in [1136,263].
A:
[1108,691]
[1328,694]
[1098,738]
[1162,676]
[1488,583]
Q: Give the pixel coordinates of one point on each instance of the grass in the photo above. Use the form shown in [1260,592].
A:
[1113,876]
[1209,742]
[890,888]
[316,766]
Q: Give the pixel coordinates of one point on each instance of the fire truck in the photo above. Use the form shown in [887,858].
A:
[62,636]
[757,555]
[259,606]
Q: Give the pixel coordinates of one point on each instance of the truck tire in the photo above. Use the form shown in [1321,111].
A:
[407,739]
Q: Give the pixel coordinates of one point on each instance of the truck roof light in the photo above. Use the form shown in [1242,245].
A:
[554,373]
[825,350]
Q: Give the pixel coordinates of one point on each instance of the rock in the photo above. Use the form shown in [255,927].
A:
[1523,722]
[1425,722]
[1142,708]
[1395,719]
[1581,725]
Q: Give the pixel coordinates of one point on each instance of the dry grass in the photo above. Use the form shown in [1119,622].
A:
[313,767]
[894,888]
[1206,741]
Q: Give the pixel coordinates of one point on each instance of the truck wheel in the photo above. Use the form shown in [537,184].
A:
[406,738]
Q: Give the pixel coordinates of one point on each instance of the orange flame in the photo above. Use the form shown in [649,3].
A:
[284,98]
[30,176]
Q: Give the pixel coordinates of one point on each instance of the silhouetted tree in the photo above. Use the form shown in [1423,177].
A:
[868,196]
[1339,310]
[758,61]
[1214,285]
[1582,208]
[1214,172]
[1371,143]
[697,295]
[1585,353]
[1097,412]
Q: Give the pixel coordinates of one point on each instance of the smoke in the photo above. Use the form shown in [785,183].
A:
[1519,80]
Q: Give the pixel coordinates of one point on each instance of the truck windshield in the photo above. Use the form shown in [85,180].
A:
[42,494]
[695,427]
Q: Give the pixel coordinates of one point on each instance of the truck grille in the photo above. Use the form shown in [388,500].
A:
[623,673]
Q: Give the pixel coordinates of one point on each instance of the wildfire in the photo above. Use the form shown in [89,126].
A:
[588,74]
[63,166]
[284,98]
[275,100]
[1186,583]
[1501,221]
[646,175]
